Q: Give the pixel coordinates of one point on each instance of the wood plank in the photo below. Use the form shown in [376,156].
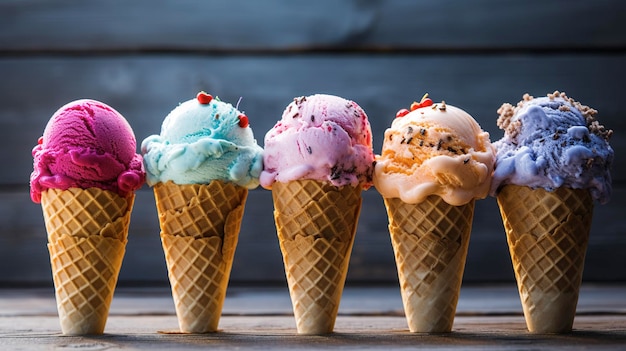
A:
[368,300]
[488,318]
[284,25]
[386,332]
[146,88]
[24,257]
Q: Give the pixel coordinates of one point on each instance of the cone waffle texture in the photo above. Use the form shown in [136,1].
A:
[87,231]
[547,233]
[316,225]
[430,241]
[199,231]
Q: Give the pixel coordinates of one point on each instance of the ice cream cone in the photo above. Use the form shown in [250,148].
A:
[547,233]
[199,231]
[316,224]
[87,234]
[430,241]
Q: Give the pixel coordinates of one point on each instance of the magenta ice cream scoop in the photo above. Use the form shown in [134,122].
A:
[86,144]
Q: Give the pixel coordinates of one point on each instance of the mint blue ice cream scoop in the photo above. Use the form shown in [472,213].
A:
[202,140]
[551,142]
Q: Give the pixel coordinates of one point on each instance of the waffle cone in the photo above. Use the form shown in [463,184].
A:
[87,232]
[547,234]
[316,224]
[199,231]
[430,241]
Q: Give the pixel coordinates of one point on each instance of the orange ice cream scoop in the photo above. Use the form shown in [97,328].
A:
[435,149]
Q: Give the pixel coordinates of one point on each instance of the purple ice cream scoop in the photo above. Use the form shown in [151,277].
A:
[551,142]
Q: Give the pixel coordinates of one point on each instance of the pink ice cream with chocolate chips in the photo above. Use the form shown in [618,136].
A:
[320,137]
[86,144]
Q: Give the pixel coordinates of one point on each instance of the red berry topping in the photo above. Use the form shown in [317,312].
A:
[243,121]
[204,98]
[40,140]
[402,113]
[426,102]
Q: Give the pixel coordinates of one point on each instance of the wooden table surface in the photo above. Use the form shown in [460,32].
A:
[370,317]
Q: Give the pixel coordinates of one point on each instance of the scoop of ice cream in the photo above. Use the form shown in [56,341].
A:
[202,140]
[86,144]
[552,142]
[320,137]
[435,149]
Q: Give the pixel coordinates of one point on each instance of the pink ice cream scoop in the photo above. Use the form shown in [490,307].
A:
[86,144]
[320,137]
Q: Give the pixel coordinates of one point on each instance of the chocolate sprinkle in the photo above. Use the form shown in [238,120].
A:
[334,174]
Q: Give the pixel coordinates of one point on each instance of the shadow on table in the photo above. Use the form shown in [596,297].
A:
[382,340]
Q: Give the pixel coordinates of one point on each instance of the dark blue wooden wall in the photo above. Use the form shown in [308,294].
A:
[144,57]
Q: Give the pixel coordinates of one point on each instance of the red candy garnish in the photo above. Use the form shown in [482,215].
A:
[425,102]
[402,113]
[204,98]
[243,121]
[40,140]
